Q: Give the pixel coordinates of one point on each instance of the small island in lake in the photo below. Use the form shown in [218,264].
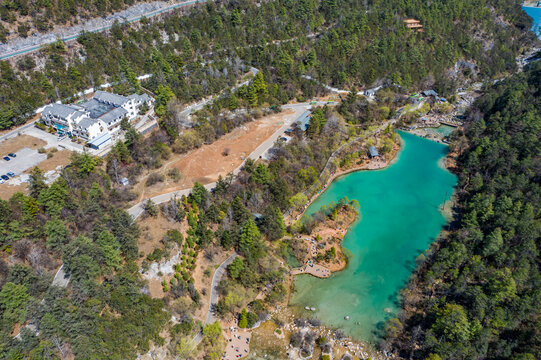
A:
[318,245]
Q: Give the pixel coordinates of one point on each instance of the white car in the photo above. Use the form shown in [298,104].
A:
[2,181]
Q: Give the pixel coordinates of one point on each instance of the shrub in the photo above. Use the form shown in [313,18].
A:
[174,174]
[154,178]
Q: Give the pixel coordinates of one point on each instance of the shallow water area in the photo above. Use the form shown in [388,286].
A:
[535,13]
[401,216]
[441,131]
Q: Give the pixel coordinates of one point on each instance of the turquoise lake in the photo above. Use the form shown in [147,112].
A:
[535,13]
[400,217]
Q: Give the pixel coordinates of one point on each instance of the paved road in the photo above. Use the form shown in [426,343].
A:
[61,279]
[213,296]
[371,91]
[214,287]
[51,37]
[16,131]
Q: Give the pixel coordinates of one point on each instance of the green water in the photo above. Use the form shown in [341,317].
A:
[400,218]
[442,130]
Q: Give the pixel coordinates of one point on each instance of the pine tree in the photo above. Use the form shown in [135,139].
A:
[243,320]
[250,234]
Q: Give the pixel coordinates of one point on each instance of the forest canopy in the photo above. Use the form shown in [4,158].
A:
[344,43]
[478,297]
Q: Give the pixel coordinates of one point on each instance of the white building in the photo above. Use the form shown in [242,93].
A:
[92,118]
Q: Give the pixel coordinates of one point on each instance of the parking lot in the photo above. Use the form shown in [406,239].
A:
[25,144]
[26,159]
[53,140]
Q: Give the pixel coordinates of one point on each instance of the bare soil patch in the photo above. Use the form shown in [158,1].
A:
[17,143]
[7,190]
[59,158]
[153,230]
[207,163]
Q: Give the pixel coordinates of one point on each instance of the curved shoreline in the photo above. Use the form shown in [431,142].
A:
[341,173]
[335,176]
[442,163]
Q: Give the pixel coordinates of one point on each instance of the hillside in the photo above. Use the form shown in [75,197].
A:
[339,42]
[476,292]
[22,18]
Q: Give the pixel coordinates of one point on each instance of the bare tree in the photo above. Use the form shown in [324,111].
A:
[22,248]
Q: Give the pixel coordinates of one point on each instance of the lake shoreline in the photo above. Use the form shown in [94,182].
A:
[327,234]
[359,346]
[364,315]
[371,165]
[446,163]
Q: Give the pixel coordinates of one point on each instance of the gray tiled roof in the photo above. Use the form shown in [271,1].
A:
[96,108]
[86,122]
[373,151]
[112,115]
[105,96]
[430,93]
[304,120]
[60,110]
[142,98]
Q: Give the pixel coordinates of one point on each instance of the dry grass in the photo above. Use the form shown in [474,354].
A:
[153,230]
[60,158]
[17,143]
[7,190]
[205,164]
[265,342]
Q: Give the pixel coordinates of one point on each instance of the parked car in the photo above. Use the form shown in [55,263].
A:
[11,174]
[6,158]
[12,155]
[2,181]
[4,177]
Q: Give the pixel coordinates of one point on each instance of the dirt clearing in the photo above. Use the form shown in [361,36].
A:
[153,230]
[12,145]
[60,158]
[7,190]
[205,164]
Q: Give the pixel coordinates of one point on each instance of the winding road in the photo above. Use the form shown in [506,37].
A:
[214,287]
[213,296]
[53,36]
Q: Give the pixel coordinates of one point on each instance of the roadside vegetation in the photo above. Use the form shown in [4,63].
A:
[336,42]
[28,16]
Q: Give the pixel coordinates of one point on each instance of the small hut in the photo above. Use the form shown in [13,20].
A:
[373,152]
[414,24]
